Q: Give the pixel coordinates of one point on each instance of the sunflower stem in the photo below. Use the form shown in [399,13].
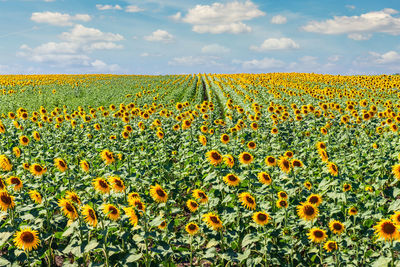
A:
[320,254]
[191,250]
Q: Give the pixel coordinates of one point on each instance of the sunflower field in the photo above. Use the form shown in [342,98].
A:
[278,169]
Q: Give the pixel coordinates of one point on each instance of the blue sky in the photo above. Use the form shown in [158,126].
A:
[185,36]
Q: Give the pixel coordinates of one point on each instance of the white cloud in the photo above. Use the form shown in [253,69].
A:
[108,7]
[222,18]
[265,63]
[359,36]
[58,19]
[194,60]
[133,9]
[278,19]
[368,23]
[82,34]
[389,57]
[160,36]
[215,49]
[275,44]
[176,17]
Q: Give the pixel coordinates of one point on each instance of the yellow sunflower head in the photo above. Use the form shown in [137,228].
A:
[247,200]
[130,212]
[68,208]
[200,195]
[315,199]
[232,180]
[35,196]
[213,221]
[214,157]
[192,228]
[90,215]
[264,178]
[387,230]
[307,211]
[15,182]
[60,164]
[284,164]
[6,201]
[246,158]
[37,169]
[111,211]
[192,205]
[317,235]
[330,246]
[270,161]
[158,193]
[261,218]
[26,239]
[229,161]
[117,184]
[101,185]
[336,227]
[282,203]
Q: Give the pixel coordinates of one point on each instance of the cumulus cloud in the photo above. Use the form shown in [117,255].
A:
[359,27]
[221,18]
[214,49]
[160,36]
[194,61]
[58,19]
[275,44]
[108,7]
[278,19]
[133,9]
[265,63]
[176,17]
[388,57]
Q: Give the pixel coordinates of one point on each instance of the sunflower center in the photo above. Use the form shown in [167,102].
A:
[160,192]
[27,237]
[346,187]
[337,226]
[318,234]
[282,203]
[286,164]
[271,160]
[103,184]
[313,199]
[232,178]
[113,210]
[261,217]
[225,138]
[192,227]
[249,199]
[69,207]
[25,140]
[296,163]
[91,214]
[216,156]
[193,204]
[246,157]
[309,210]
[62,164]
[331,245]
[118,183]
[15,181]
[334,168]
[6,199]
[388,228]
[214,219]
[283,195]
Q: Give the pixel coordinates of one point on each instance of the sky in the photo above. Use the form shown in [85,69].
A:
[185,36]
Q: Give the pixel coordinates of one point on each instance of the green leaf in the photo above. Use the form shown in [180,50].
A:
[212,243]
[381,262]
[157,221]
[249,239]
[4,237]
[133,258]
[4,262]
[92,245]
[245,255]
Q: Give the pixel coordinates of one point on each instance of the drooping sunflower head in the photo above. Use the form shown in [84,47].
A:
[270,161]
[36,135]
[17,151]
[130,212]
[73,197]
[133,195]
[37,169]
[68,208]
[232,180]
[101,185]
[6,201]
[247,200]
[192,228]
[213,221]
[387,230]
[35,196]
[330,246]
[111,211]
[333,169]
[308,185]
[323,155]
[282,203]
[264,178]
[90,215]
[85,166]
[336,227]
[315,199]
[26,239]
[107,156]
[261,218]
[162,225]
[15,182]
[5,163]
[321,145]
[137,203]
[316,235]
[307,211]
[158,193]
[214,157]
[353,211]
[245,158]
[284,164]
[192,205]
[203,140]
[346,187]
[200,195]
[117,184]
[60,164]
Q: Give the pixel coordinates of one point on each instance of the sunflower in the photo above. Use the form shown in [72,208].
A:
[229,160]
[224,139]
[336,227]
[100,184]
[84,165]
[37,170]
[213,221]
[307,185]
[192,228]
[192,205]
[17,151]
[162,225]
[117,184]
[137,203]
[68,208]
[251,145]
[200,194]
[387,229]
[245,158]
[396,171]
[274,130]
[323,155]
[264,178]
[26,166]
[60,164]
[133,195]
[353,211]
[2,184]
[158,193]
[297,163]
[70,195]
[24,140]
[5,163]
[130,212]
[284,164]
[282,195]
[289,154]
[261,218]
[270,161]
[35,196]
[111,211]
[333,170]
[282,203]
[247,200]
[316,235]
[6,201]
[203,140]
[107,156]
[346,187]
[330,246]
[315,200]
[232,180]
[214,157]
[26,239]
[15,181]
[36,135]
[90,215]
[321,146]
[307,211]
